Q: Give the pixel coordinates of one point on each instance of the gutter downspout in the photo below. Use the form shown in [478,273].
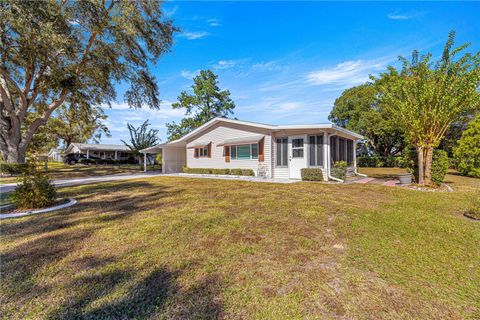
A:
[329,158]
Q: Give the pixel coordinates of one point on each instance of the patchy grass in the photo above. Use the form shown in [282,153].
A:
[57,170]
[170,248]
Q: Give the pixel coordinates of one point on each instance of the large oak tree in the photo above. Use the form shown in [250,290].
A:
[72,53]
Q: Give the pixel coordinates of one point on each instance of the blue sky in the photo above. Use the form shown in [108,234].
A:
[287,62]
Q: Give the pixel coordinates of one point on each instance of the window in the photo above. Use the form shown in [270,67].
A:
[333,148]
[282,152]
[201,152]
[297,148]
[244,152]
[316,150]
[341,149]
[350,151]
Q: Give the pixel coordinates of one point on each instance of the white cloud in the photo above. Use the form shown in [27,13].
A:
[266,66]
[347,73]
[194,35]
[170,12]
[213,22]
[189,74]
[226,64]
[400,16]
[287,107]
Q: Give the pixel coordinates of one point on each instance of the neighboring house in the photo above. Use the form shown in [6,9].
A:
[280,151]
[55,155]
[100,151]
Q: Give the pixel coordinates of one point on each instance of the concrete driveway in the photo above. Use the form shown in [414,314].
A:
[87,180]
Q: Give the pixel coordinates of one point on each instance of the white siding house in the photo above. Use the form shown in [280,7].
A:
[278,151]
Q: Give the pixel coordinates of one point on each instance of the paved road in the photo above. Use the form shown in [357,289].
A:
[78,181]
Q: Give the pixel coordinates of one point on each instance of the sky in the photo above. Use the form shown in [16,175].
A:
[287,62]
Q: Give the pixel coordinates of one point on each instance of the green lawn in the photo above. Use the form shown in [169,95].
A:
[184,248]
[58,170]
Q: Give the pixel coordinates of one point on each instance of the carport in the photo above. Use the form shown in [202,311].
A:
[174,156]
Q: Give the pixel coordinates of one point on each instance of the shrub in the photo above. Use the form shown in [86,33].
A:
[248,172]
[14,169]
[440,166]
[235,172]
[339,170]
[220,171]
[377,161]
[467,152]
[312,174]
[34,191]
[86,161]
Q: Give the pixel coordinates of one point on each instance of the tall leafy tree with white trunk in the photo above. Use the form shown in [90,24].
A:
[426,97]
[60,52]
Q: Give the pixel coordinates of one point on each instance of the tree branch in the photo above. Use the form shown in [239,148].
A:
[5,75]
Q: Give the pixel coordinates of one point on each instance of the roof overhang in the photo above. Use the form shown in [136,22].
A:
[199,144]
[242,140]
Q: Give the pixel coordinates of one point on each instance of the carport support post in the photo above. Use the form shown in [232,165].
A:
[88,154]
[145,162]
[116,153]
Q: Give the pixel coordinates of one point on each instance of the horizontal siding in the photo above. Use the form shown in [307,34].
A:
[220,133]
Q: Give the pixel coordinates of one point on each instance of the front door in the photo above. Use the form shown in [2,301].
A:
[296,155]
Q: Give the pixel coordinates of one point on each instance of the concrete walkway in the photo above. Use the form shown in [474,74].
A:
[87,180]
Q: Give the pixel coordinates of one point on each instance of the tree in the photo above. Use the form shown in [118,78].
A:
[141,137]
[358,109]
[467,152]
[71,53]
[206,103]
[426,97]
[78,124]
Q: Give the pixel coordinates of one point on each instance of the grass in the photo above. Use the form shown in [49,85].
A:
[57,170]
[170,248]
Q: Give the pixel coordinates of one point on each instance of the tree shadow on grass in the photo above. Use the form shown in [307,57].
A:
[158,295]
[88,210]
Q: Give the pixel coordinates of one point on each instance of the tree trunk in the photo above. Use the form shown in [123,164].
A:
[428,165]
[420,165]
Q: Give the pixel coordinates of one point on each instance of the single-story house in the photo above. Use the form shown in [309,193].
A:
[55,155]
[100,151]
[274,151]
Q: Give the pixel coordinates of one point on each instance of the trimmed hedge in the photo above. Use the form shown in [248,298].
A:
[233,172]
[312,174]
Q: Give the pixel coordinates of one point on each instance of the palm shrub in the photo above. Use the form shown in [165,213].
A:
[34,190]
[339,170]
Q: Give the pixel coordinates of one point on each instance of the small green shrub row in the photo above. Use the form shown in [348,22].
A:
[312,174]
[14,169]
[339,170]
[440,165]
[233,172]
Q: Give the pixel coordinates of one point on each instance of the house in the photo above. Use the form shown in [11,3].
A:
[55,155]
[278,151]
[100,151]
